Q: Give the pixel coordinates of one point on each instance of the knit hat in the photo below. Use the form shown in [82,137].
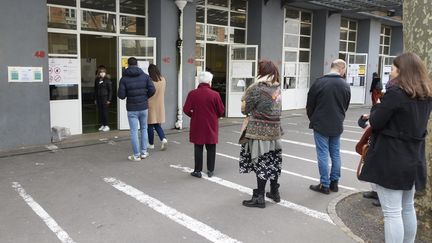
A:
[205,77]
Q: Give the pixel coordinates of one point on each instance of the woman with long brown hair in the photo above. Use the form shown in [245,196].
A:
[396,160]
[261,149]
[156,108]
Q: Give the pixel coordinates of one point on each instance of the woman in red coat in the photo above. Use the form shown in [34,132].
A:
[204,106]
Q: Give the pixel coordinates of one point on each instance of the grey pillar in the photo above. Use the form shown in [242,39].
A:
[396,45]
[24,107]
[325,42]
[265,28]
[164,24]
[368,41]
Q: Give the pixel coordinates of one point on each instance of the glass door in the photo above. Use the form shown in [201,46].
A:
[143,49]
[242,70]
[356,76]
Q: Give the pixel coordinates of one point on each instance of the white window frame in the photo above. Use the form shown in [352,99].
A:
[383,36]
[347,41]
[296,50]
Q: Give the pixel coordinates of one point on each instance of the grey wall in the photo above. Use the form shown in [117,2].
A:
[325,42]
[265,29]
[24,107]
[368,41]
[396,46]
[163,24]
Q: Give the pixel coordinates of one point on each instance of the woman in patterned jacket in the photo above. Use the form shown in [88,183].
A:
[261,149]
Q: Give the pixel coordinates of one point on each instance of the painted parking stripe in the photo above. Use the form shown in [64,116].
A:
[287,155]
[301,209]
[357,132]
[194,225]
[292,173]
[311,134]
[352,126]
[49,221]
[313,146]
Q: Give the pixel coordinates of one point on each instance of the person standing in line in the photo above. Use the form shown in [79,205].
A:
[156,108]
[261,149]
[103,95]
[136,87]
[376,88]
[327,102]
[396,159]
[204,106]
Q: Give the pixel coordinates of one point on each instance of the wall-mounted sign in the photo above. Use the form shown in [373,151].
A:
[144,66]
[64,71]
[25,74]
[242,70]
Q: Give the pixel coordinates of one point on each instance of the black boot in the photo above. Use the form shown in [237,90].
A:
[274,192]
[334,186]
[257,200]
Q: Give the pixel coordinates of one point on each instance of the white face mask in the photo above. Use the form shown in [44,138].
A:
[102,74]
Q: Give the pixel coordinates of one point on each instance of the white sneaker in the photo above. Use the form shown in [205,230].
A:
[145,155]
[164,144]
[150,146]
[133,158]
[101,128]
[106,129]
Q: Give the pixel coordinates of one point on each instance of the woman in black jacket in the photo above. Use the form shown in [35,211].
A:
[103,95]
[396,160]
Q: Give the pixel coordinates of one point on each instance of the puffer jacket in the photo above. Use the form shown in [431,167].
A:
[137,87]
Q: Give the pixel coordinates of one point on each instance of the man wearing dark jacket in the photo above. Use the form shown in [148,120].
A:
[328,100]
[137,87]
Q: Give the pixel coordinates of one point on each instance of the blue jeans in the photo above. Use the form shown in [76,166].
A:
[400,220]
[135,118]
[324,146]
[159,131]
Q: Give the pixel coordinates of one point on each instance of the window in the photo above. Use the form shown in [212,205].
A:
[348,37]
[221,21]
[63,18]
[297,49]
[385,40]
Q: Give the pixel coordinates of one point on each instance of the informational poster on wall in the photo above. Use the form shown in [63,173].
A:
[356,74]
[385,77]
[242,70]
[25,74]
[144,66]
[64,71]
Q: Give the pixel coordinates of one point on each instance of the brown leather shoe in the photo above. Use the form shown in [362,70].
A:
[320,188]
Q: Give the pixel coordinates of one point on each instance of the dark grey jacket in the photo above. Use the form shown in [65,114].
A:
[137,87]
[328,100]
[396,155]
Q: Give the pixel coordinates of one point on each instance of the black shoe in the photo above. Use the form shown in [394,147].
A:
[376,203]
[334,186]
[320,188]
[274,193]
[257,200]
[210,173]
[370,195]
[196,174]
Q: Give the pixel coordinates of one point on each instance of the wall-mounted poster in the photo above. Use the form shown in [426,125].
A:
[290,70]
[242,70]
[64,71]
[25,74]
[144,66]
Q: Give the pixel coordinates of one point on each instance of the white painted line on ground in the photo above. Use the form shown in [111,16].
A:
[353,131]
[311,134]
[352,126]
[172,141]
[313,146]
[315,162]
[315,179]
[196,226]
[286,155]
[310,212]
[296,114]
[291,123]
[50,222]
[290,172]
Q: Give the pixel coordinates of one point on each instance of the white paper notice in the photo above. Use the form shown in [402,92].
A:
[242,70]
[290,70]
[144,66]
[25,74]
[64,71]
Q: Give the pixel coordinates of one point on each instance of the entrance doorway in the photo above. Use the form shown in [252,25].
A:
[97,50]
[216,60]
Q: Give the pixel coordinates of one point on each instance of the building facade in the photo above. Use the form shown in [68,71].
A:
[48,58]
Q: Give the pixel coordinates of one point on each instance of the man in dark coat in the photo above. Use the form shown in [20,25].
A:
[204,106]
[137,87]
[328,100]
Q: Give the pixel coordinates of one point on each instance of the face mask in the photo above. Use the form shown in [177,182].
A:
[102,74]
